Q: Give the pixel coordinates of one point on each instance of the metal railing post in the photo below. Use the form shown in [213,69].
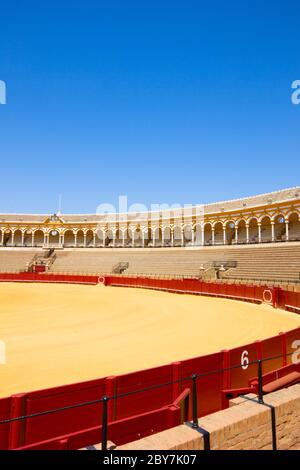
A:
[260,382]
[195,403]
[104,422]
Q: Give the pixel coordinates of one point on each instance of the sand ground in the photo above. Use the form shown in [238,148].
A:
[59,334]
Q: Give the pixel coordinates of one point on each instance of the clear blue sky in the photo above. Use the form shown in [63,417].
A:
[165,101]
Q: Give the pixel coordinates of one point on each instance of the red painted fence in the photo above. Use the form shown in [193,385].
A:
[140,414]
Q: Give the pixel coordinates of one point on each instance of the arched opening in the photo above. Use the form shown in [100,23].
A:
[177,236]
[253,230]
[241,232]
[38,239]
[100,237]
[89,238]
[28,238]
[167,236]
[198,235]
[53,238]
[17,238]
[230,232]
[7,238]
[80,239]
[109,238]
[219,236]
[294,227]
[266,229]
[279,228]
[207,234]
[187,235]
[69,238]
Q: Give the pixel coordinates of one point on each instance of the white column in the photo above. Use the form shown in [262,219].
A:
[22,240]
[13,238]
[143,239]
[236,229]
[286,230]
[213,236]
[172,237]
[259,232]
[123,238]
[162,238]
[75,239]
[182,237]
[2,237]
[202,236]
[84,239]
[153,237]
[94,239]
[133,237]
[193,237]
[224,236]
[247,233]
[273,230]
[62,240]
[114,238]
[32,239]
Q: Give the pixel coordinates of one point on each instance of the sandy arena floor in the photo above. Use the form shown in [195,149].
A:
[59,334]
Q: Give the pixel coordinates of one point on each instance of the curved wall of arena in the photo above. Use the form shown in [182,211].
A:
[264,218]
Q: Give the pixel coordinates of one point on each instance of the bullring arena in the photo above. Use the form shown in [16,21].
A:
[97,343]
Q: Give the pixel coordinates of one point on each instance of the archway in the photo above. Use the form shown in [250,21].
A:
[219,235]
[230,232]
[279,228]
[69,238]
[241,232]
[38,239]
[187,235]
[17,238]
[207,234]
[100,237]
[177,236]
[294,227]
[167,236]
[266,229]
[253,230]
[53,238]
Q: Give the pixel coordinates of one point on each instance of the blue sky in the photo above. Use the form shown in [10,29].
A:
[164,101]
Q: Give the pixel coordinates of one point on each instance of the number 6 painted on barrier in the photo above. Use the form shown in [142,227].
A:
[245,360]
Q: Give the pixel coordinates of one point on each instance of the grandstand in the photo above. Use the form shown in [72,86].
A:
[255,238]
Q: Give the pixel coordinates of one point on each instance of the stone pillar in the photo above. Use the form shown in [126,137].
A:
[259,232]
[247,234]
[286,230]
[224,236]
[236,229]
[22,239]
[213,236]
[182,237]
[202,236]
[84,239]
[12,238]
[273,230]
[94,239]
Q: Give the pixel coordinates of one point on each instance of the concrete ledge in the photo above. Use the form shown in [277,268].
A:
[245,425]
